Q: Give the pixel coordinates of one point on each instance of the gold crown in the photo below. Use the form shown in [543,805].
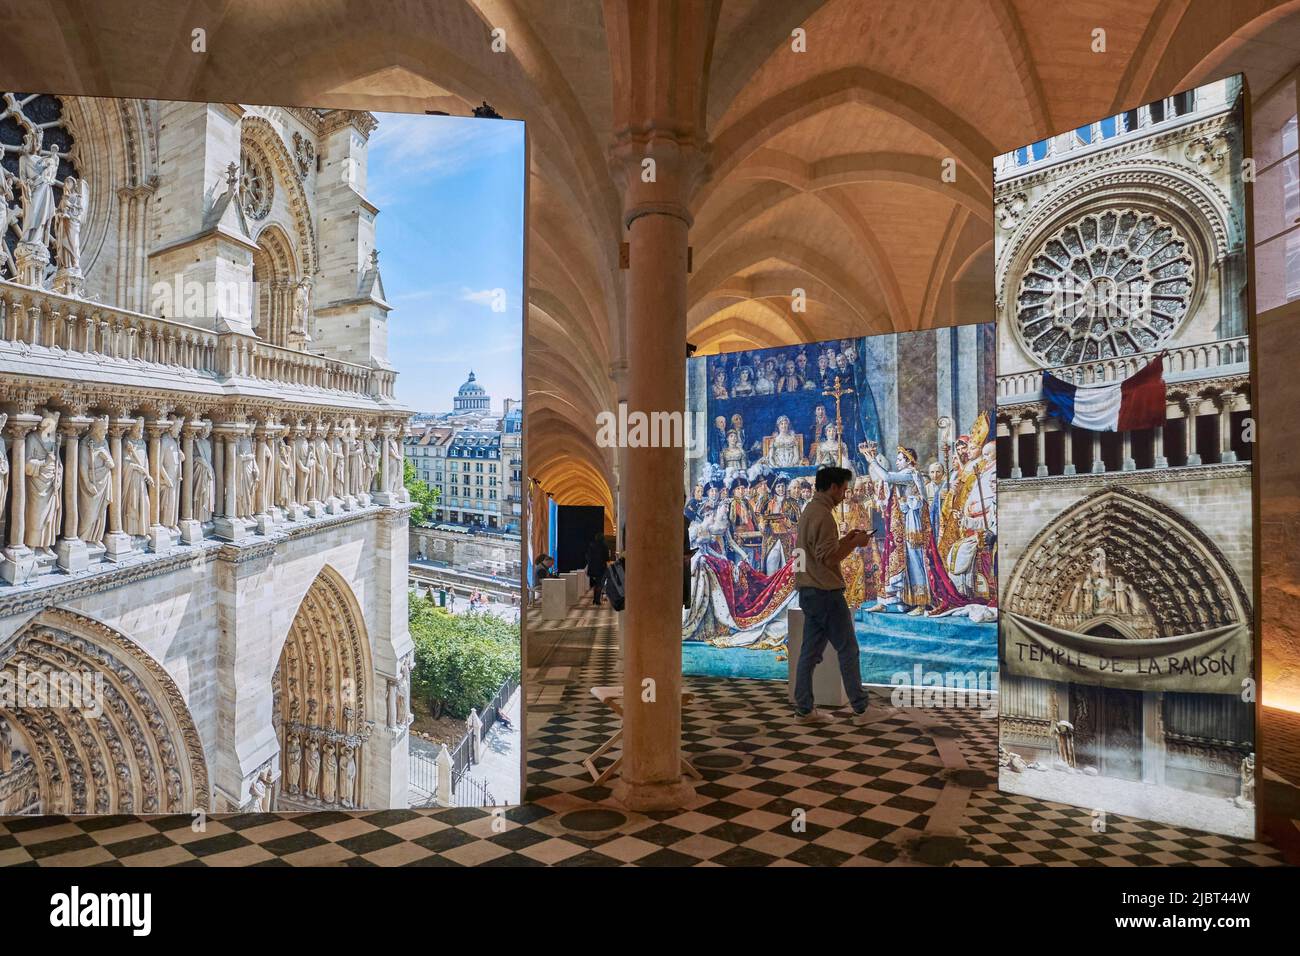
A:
[908,455]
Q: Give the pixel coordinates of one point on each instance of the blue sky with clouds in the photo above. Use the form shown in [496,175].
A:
[450,192]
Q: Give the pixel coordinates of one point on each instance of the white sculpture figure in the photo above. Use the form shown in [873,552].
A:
[67,225]
[136,482]
[284,476]
[396,477]
[338,457]
[4,451]
[246,472]
[324,461]
[10,219]
[329,779]
[1098,556]
[349,781]
[169,476]
[305,461]
[38,171]
[295,765]
[205,476]
[313,769]
[372,459]
[44,484]
[95,482]
[301,304]
[257,790]
[356,462]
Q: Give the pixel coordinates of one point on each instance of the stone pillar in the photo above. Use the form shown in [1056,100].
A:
[1191,408]
[219,472]
[19,563]
[383,496]
[1127,462]
[1098,463]
[1225,402]
[1067,449]
[160,538]
[1040,435]
[1014,426]
[117,544]
[71,550]
[229,526]
[191,530]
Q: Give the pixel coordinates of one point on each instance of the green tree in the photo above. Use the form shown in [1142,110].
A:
[460,660]
[424,498]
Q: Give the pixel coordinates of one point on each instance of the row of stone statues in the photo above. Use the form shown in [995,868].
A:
[81,483]
[39,220]
[321,769]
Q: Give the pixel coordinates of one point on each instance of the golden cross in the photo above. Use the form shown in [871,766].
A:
[837,391]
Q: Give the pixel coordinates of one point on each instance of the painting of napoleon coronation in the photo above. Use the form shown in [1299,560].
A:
[909,415]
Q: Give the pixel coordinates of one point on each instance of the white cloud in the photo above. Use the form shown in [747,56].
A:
[483,297]
[435,146]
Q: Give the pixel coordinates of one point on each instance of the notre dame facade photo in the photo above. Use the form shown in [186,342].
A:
[203,599]
[1124,407]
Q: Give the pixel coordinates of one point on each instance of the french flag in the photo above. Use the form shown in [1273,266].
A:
[1135,403]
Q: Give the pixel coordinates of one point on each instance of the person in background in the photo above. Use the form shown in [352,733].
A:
[597,558]
[821,597]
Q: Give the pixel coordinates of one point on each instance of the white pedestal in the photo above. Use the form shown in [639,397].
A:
[363,499]
[574,582]
[294,512]
[191,531]
[161,539]
[315,508]
[334,506]
[265,523]
[828,688]
[73,555]
[19,565]
[118,546]
[230,529]
[555,599]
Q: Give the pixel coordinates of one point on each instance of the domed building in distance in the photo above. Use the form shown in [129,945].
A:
[472,397]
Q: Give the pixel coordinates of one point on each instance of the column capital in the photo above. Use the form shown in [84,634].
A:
[659,171]
[73,426]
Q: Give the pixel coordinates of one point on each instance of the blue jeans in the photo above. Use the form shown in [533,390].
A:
[826,619]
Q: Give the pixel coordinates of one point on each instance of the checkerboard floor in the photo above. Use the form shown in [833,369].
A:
[913,787]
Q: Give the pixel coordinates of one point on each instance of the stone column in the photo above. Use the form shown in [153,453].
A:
[229,525]
[19,562]
[1014,427]
[1040,435]
[1158,448]
[1098,463]
[117,544]
[191,529]
[1127,462]
[1225,402]
[71,550]
[1191,408]
[383,496]
[1067,449]
[160,538]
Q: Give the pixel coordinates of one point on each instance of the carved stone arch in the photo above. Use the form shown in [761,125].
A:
[321,691]
[122,739]
[275,273]
[1172,188]
[258,132]
[1181,578]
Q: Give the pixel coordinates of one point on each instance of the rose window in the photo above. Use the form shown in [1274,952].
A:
[1108,284]
[256,187]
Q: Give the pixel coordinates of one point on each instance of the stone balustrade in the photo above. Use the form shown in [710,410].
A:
[1108,132]
[1225,357]
[43,319]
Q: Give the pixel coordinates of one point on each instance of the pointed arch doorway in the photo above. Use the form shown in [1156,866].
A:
[320,690]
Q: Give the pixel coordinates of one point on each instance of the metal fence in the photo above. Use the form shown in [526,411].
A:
[468,792]
[493,709]
[424,775]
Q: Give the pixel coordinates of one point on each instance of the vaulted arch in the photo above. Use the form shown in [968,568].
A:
[114,734]
[1183,582]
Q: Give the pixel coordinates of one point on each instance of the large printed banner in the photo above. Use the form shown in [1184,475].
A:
[909,415]
[1126,546]
[1211,661]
